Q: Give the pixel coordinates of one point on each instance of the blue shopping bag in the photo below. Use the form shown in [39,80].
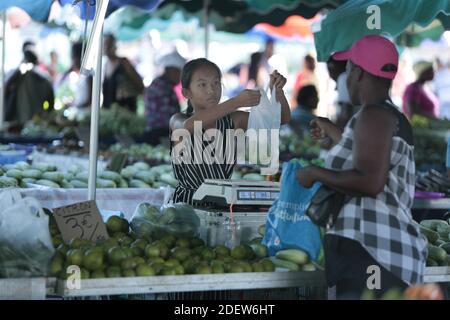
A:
[288,226]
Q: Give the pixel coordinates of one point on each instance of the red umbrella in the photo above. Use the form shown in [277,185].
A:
[293,26]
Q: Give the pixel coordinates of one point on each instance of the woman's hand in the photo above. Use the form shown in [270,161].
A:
[323,127]
[277,80]
[305,176]
[247,98]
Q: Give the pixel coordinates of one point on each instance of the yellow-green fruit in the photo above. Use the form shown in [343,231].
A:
[239,252]
[249,254]
[246,266]
[154,260]
[168,271]
[183,243]
[171,263]
[138,260]
[75,257]
[114,224]
[217,268]
[236,268]
[208,254]
[157,266]
[268,265]
[118,235]
[108,244]
[189,266]
[116,255]
[179,269]
[56,266]
[76,243]
[163,250]
[257,267]
[98,274]
[129,273]
[125,241]
[180,253]
[93,260]
[85,274]
[129,252]
[144,270]
[128,264]
[113,272]
[137,251]
[259,250]
[63,248]
[57,241]
[139,243]
[203,269]
[196,242]
[169,240]
[222,251]
[152,251]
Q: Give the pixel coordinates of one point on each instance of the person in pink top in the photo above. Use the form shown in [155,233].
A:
[417,99]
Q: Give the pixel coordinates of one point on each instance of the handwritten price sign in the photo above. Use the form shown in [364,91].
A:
[81,221]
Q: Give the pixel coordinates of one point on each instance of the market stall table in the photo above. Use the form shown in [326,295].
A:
[192,283]
[435,204]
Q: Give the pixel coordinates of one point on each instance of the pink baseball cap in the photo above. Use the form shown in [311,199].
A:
[372,53]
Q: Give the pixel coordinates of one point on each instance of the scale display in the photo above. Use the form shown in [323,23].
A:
[257,195]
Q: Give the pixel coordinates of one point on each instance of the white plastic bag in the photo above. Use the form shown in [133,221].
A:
[263,131]
[26,247]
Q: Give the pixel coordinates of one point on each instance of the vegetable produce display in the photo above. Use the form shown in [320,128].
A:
[138,175]
[129,254]
[437,233]
[143,152]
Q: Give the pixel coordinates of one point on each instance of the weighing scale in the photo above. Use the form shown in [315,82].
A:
[236,193]
[220,202]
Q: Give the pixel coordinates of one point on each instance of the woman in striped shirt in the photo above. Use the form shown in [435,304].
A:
[192,157]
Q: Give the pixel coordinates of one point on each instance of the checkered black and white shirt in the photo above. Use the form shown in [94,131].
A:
[384,225]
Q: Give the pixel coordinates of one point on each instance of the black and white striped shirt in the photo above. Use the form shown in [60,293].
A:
[190,175]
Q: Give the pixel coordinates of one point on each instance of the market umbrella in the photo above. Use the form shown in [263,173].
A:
[415,34]
[88,6]
[241,16]
[293,27]
[129,23]
[343,26]
[38,10]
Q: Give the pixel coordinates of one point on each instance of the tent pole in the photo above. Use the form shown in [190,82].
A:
[2,71]
[206,24]
[95,110]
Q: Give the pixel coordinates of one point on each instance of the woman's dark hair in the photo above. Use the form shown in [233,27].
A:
[189,70]
[305,93]
[255,60]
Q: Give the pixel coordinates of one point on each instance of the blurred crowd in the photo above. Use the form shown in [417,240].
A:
[31,87]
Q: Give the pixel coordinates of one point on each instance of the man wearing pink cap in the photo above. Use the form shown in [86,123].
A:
[374,243]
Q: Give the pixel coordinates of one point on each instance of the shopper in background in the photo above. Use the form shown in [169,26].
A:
[306,76]
[79,84]
[28,91]
[418,98]
[447,159]
[161,101]
[344,108]
[441,84]
[121,84]
[372,164]
[54,68]
[302,115]
[260,69]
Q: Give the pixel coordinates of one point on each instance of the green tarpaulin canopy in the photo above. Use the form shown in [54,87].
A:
[343,26]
